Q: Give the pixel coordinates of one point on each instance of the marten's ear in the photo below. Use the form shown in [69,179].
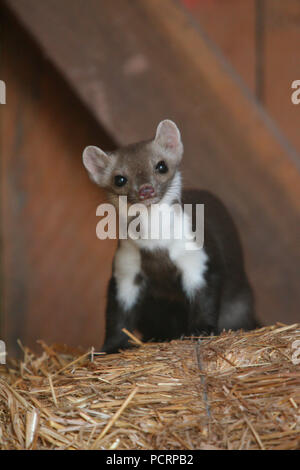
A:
[169,138]
[95,161]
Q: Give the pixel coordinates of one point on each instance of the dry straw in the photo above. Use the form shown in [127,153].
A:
[236,391]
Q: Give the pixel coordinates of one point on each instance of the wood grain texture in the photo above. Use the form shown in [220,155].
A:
[55,270]
[134,63]
[282,67]
[232,26]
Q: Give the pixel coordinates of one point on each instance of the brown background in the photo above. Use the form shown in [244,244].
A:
[268,62]
[106,73]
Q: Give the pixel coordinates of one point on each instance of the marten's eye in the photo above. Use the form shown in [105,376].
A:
[120,180]
[161,167]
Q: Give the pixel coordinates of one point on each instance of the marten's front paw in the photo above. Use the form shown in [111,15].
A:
[115,344]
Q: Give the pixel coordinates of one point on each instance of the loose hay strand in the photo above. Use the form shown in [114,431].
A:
[239,390]
[52,390]
[131,336]
[32,422]
[255,433]
[115,417]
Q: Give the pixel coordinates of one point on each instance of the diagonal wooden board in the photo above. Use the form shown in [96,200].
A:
[135,62]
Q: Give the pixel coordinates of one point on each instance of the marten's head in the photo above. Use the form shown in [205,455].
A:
[146,172]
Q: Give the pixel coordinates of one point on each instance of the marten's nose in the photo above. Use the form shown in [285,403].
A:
[146,191]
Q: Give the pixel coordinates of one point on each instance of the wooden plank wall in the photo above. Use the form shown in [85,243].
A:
[231,26]
[55,269]
[234,27]
[134,63]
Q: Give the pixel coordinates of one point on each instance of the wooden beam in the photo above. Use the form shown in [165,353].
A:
[135,62]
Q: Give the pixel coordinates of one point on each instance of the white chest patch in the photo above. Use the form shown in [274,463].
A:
[187,256]
[192,265]
[127,264]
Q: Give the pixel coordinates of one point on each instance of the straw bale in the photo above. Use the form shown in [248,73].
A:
[240,390]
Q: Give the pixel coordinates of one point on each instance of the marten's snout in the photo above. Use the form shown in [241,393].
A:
[146,191]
